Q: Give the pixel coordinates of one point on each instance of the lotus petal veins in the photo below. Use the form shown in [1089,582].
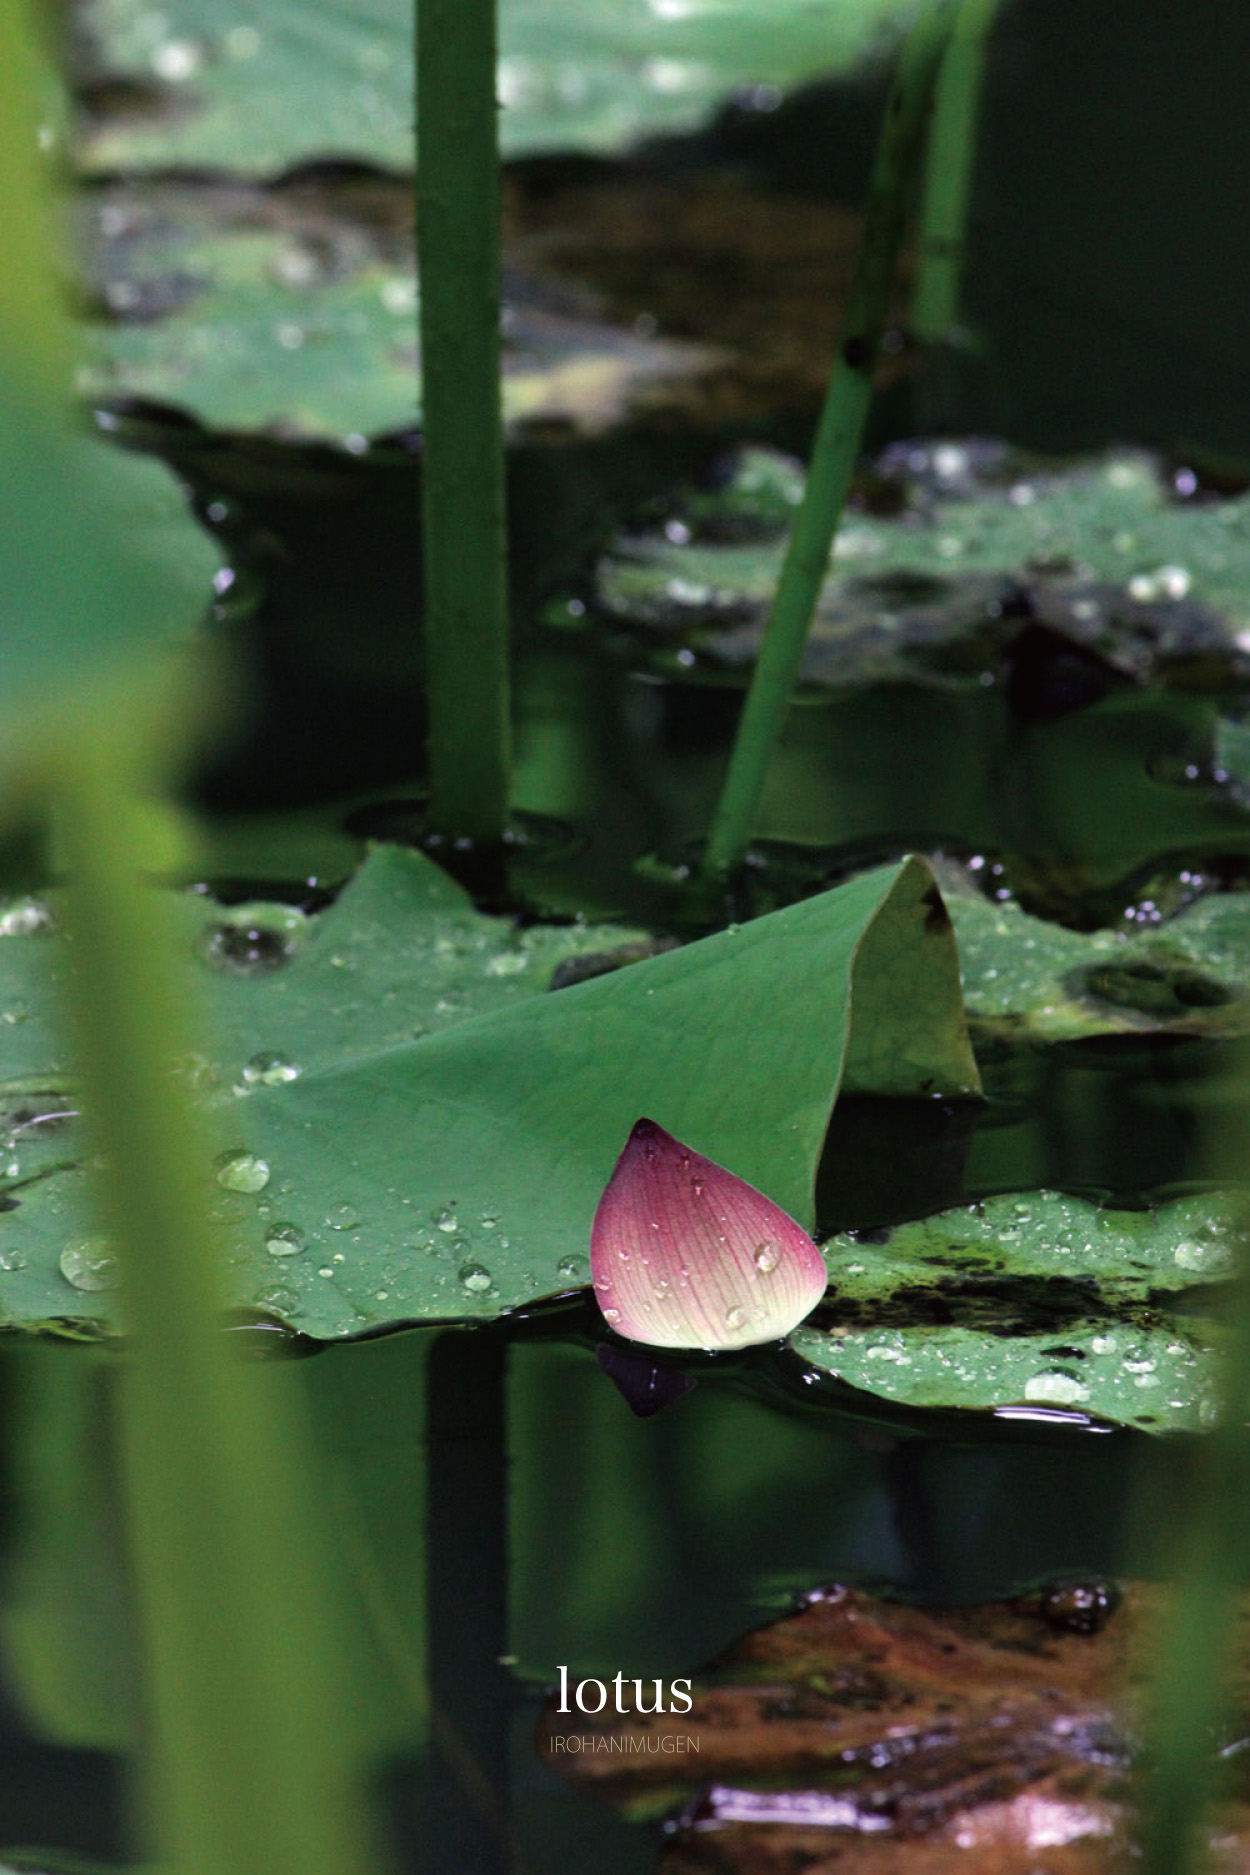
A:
[685,1255]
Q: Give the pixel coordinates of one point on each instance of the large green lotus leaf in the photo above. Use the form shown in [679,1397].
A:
[1141,584]
[1034,1301]
[271,85]
[100,561]
[400,954]
[411,1133]
[297,312]
[1187,974]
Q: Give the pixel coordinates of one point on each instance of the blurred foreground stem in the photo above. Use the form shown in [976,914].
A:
[463,517]
[250,1761]
[836,448]
[1201,1636]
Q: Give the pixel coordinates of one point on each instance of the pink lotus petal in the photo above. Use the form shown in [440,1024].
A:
[685,1255]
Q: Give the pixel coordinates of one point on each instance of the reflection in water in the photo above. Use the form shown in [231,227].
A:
[619,1543]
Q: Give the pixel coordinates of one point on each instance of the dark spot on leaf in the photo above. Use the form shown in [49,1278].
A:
[937,918]
[573,970]
[990,1304]
[879,1234]
[1159,989]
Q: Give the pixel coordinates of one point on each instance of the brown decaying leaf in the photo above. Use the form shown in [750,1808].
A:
[864,1737]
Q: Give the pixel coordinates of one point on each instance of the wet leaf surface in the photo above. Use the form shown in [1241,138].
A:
[862,1735]
[294,310]
[1063,583]
[1185,974]
[1034,1301]
[194,84]
[410,1130]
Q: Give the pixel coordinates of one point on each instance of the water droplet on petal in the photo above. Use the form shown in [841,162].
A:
[767,1257]
[89,1263]
[735,1318]
[242,1171]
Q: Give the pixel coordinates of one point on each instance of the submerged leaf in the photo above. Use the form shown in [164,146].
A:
[685,1255]
[867,1736]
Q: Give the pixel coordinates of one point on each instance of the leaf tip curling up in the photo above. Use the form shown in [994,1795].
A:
[684,1254]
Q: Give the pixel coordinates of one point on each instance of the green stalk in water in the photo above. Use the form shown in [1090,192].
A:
[1199,1641]
[837,446]
[463,516]
[948,174]
[250,1765]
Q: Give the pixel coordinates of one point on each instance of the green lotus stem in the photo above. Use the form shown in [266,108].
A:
[838,441]
[463,517]
[948,174]
[250,1766]
[1197,1643]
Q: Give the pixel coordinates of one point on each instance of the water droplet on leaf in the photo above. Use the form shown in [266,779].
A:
[242,1171]
[88,1263]
[269,1070]
[254,940]
[26,917]
[284,1240]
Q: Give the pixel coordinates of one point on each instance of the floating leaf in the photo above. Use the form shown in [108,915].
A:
[941,588]
[1033,1302]
[685,1255]
[290,81]
[295,310]
[1186,974]
[455,1173]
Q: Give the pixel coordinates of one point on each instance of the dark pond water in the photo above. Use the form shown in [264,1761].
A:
[496,1508]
